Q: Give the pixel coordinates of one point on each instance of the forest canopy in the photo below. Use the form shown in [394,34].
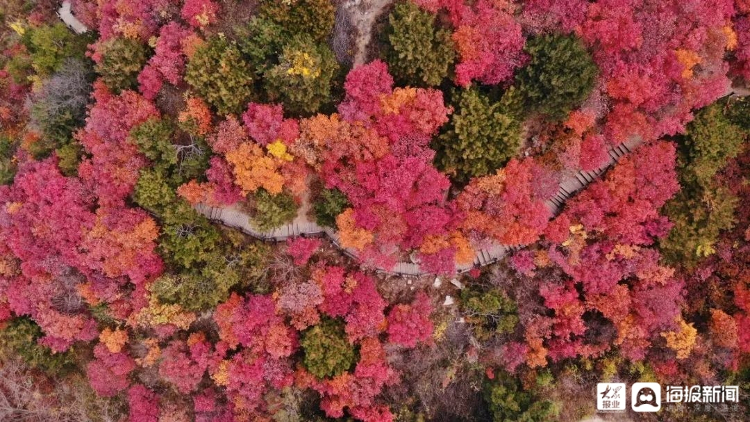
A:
[397,210]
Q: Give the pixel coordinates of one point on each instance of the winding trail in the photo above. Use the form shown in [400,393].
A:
[364,13]
[67,16]
[369,10]
[301,226]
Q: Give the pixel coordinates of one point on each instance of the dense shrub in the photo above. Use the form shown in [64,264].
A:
[187,237]
[154,140]
[8,165]
[204,288]
[418,53]
[260,42]
[703,208]
[738,111]
[711,140]
[51,45]
[698,220]
[19,338]
[69,157]
[121,61]
[272,211]
[302,79]
[489,312]
[328,206]
[59,106]
[310,17]
[507,401]
[153,191]
[218,74]
[327,351]
[193,159]
[480,138]
[559,75]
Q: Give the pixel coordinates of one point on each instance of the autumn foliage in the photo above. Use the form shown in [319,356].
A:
[568,179]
